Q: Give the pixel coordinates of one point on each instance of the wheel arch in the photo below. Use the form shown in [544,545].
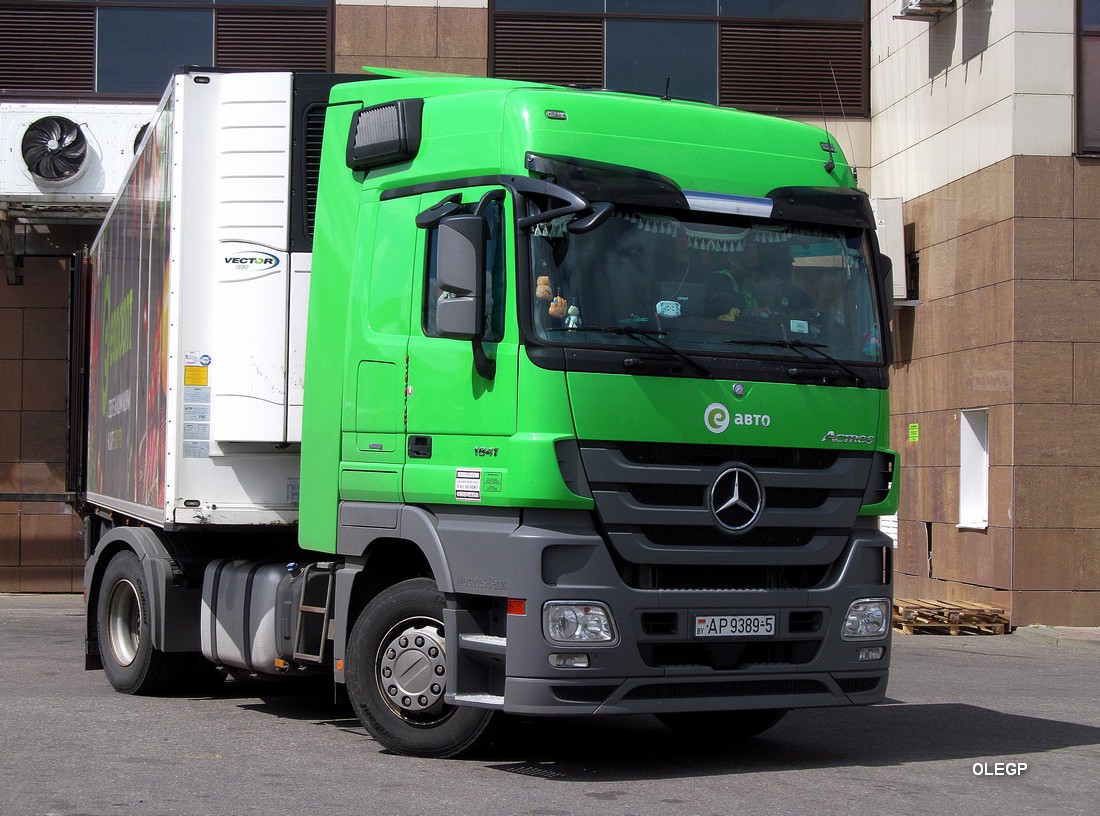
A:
[385,561]
[170,596]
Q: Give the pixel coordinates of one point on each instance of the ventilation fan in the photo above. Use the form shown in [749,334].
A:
[54,149]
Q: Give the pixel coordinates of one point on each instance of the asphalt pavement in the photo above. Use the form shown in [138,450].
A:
[997,725]
[1078,637]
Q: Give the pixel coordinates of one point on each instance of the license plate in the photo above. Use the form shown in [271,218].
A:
[729,625]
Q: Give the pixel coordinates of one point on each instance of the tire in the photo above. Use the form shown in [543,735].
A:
[396,675]
[130,661]
[722,726]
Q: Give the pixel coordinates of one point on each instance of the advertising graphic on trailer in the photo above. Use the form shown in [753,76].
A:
[129,332]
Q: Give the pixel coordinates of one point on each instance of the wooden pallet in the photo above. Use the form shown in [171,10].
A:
[917,616]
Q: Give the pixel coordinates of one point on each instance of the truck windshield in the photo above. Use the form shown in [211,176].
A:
[725,286]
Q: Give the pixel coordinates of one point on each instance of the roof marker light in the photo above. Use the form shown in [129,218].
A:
[729,204]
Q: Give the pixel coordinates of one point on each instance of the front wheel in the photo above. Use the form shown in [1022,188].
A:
[396,675]
[130,661]
[722,726]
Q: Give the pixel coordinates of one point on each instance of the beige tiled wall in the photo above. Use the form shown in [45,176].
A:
[40,546]
[422,37]
[960,93]
[1007,322]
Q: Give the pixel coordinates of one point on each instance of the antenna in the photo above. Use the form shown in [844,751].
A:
[840,101]
[828,145]
[668,81]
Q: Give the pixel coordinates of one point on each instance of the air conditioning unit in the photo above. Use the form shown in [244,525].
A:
[890,229]
[64,156]
[925,8]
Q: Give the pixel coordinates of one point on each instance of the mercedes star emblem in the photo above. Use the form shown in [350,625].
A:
[736,499]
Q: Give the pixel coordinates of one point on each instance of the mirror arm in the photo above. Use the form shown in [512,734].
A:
[485,366]
[493,195]
[430,218]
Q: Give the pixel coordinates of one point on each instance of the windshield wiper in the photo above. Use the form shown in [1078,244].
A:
[653,335]
[799,345]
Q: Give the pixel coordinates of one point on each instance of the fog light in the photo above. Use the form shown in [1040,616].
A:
[873,653]
[569,661]
[577,622]
[867,619]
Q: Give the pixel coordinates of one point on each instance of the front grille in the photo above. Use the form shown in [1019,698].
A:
[742,688]
[652,500]
[671,454]
[729,656]
[689,495]
[856,685]
[582,694]
[672,536]
[686,577]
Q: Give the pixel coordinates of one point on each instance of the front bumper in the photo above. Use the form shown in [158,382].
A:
[657,665]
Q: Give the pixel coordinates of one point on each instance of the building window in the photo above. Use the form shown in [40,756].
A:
[130,48]
[1088,77]
[137,49]
[974,469]
[637,58]
[777,56]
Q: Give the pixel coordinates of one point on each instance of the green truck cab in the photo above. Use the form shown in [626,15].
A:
[594,421]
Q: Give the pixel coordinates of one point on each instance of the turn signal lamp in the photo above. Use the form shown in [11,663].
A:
[569,661]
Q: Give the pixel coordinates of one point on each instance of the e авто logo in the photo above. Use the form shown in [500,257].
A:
[716,418]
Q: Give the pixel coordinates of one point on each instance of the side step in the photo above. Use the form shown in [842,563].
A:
[489,645]
[476,657]
[311,630]
[477,700]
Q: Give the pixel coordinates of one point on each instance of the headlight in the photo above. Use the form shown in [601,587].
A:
[577,622]
[867,619]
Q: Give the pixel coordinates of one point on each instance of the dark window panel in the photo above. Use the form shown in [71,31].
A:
[50,53]
[795,9]
[554,6]
[559,51]
[139,49]
[679,8]
[791,68]
[286,40]
[643,54]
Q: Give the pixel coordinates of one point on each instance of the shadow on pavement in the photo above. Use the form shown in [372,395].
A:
[591,750]
[626,748]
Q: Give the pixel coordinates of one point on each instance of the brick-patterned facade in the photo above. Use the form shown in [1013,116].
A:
[40,544]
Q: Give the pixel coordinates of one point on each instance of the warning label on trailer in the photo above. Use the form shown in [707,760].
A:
[196,375]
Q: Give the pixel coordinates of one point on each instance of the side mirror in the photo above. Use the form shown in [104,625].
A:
[460,275]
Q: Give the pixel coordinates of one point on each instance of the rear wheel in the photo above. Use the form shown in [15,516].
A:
[724,726]
[396,675]
[130,661]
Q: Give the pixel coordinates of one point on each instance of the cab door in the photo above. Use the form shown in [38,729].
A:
[460,422]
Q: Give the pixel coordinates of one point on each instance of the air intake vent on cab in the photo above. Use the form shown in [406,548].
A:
[55,149]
